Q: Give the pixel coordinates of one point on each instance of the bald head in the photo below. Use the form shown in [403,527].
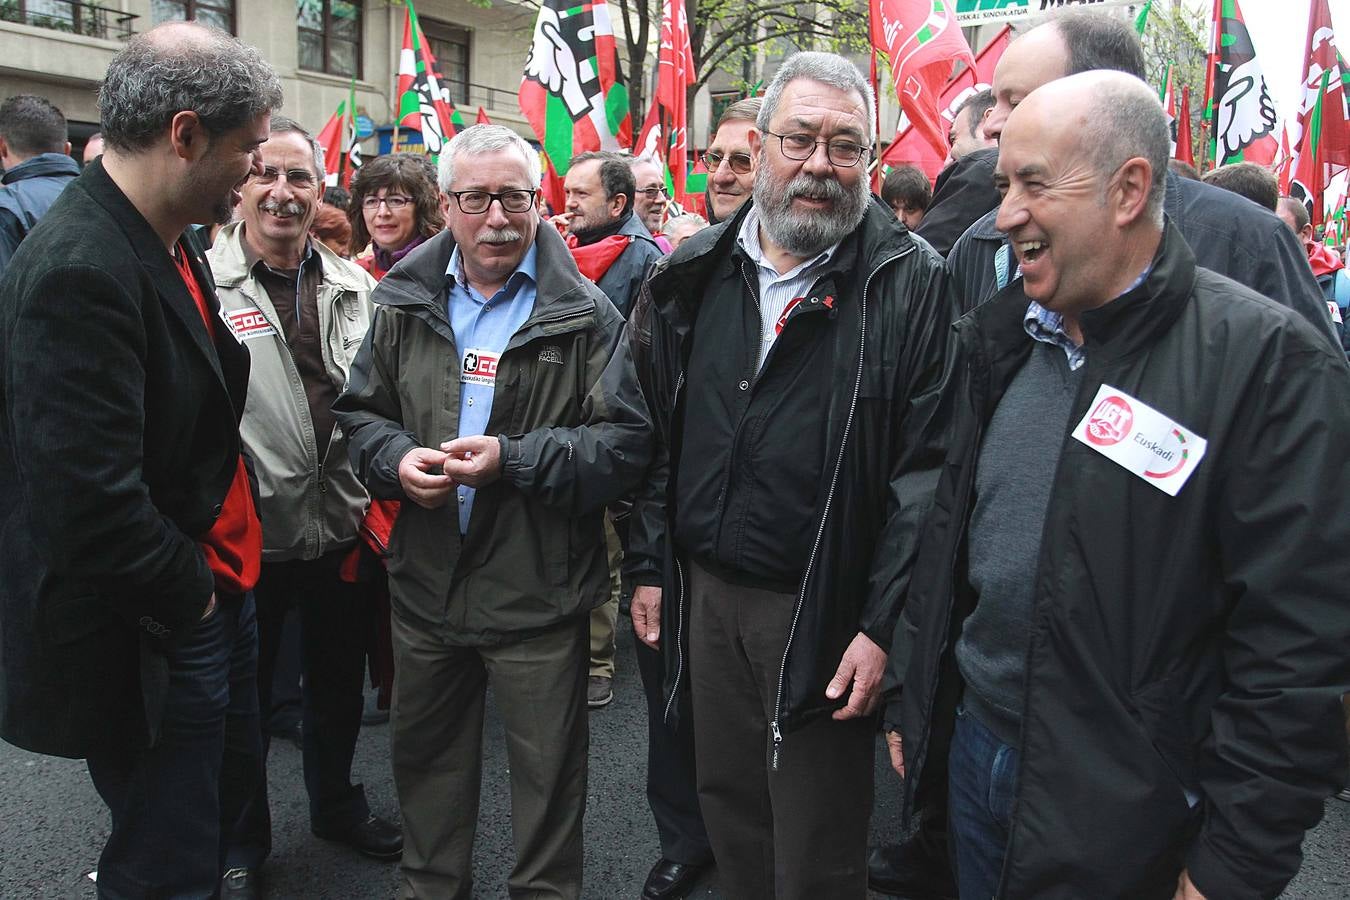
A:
[1115,118]
[1069,44]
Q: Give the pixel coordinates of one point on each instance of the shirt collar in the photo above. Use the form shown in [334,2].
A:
[526,270]
[748,240]
[253,258]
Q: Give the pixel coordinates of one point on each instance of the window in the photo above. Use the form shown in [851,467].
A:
[450,46]
[330,36]
[218,13]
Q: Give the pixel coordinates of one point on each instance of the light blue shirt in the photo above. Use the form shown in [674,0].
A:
[483,327]
[1048,327]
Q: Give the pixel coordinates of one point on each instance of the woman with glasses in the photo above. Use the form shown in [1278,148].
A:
[395,207]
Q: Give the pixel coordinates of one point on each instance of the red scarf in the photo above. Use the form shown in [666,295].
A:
[1323,259]
[233,546]
[595,259]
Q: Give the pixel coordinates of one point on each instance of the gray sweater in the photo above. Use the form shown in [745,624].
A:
[1013,479]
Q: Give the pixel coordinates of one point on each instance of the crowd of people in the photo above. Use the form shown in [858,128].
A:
[1031,473]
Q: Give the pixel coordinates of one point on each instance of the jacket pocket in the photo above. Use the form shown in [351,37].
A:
[1156,707]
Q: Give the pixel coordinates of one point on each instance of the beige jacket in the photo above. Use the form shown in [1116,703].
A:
[308,505]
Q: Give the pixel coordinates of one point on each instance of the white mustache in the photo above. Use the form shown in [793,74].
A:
[500,236]
[289,208]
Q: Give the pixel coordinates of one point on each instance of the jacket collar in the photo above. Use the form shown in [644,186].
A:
[44,164]
[1128,323]
[229,262]
[419,279]
[676,280]
[154,257]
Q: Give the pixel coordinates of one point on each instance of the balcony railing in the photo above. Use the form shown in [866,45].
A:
[483,95]
[87,19]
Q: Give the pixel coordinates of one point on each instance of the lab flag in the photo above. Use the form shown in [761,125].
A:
[1239,100]
[1321,57]
[424,104]
[571,91]
[1185,150]
[1310,170]
[922,40]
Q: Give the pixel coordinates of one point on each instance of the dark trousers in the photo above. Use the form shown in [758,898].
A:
[171,803]
[799,831]
[672,789]
[440,689]
[981,786]
[334,632]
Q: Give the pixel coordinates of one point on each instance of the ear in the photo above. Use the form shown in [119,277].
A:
[1134,180]
[753,138]
[187,137]
[4,148]
[445,206]
[618,203]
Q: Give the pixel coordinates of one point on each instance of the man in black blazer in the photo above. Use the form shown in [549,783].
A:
[129,540]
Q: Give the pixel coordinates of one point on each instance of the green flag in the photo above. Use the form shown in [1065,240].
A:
[1142,19]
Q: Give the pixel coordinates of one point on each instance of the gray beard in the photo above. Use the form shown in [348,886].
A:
[807,234]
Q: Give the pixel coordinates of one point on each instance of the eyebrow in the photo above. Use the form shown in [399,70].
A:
[805,125]
[1029,170]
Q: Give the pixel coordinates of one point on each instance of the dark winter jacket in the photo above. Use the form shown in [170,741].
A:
[1187,654]
[620,283]
[575,435]
[30,188]
[1227,234]
[119,442]
[890,322]
[963,192]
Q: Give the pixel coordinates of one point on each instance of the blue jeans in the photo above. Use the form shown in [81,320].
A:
[169,801]
[981,786]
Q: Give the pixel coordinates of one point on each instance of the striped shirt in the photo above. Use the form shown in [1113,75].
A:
[776,292]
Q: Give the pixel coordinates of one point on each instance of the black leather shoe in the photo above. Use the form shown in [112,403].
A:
[240,884]
[374,837]
[671,880]
[913,870]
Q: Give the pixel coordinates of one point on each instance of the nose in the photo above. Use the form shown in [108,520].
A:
[819,161]
[1012,213]
[496,214]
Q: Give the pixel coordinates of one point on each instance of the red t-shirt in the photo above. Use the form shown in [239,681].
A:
[233,546]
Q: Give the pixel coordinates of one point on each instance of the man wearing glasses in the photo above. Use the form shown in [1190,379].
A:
[302,312]
[794,359]
[499,553]
[649,195]
[731,168]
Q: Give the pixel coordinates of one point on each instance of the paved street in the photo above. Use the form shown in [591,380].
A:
[52,824]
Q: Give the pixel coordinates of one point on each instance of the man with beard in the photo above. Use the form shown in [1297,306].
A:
[302,312]
[793,364]
[131,542]
[504,464]
[649,196]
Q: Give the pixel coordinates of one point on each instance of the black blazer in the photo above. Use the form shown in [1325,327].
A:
[118,445]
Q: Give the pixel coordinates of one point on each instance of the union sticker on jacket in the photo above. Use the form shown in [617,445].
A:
[248,323]
[1137,437]
[479,367]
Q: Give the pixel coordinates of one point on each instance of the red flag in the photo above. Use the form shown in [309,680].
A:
[1320,56]
[922,40]
[1311,168]
[483,117]
[337,137]
[675,73]
[1284,162]
[1243,112]
[649,141]
[1185,151]
[909,146]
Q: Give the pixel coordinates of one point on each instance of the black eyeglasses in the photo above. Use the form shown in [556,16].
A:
[652,193]
[476,202]
[301,178]
[800,147]
[393,201]
[740,163]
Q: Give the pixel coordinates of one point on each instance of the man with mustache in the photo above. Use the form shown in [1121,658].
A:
[130,541]
[504,461]
[302,312]
[731,168]
[794,356]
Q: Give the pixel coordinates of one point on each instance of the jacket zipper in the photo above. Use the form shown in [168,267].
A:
[777,734]
[735,434]
[679,609]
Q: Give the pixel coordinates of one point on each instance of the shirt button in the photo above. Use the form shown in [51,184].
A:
[461,499]
[744,385]
[487,307]
[470,401]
